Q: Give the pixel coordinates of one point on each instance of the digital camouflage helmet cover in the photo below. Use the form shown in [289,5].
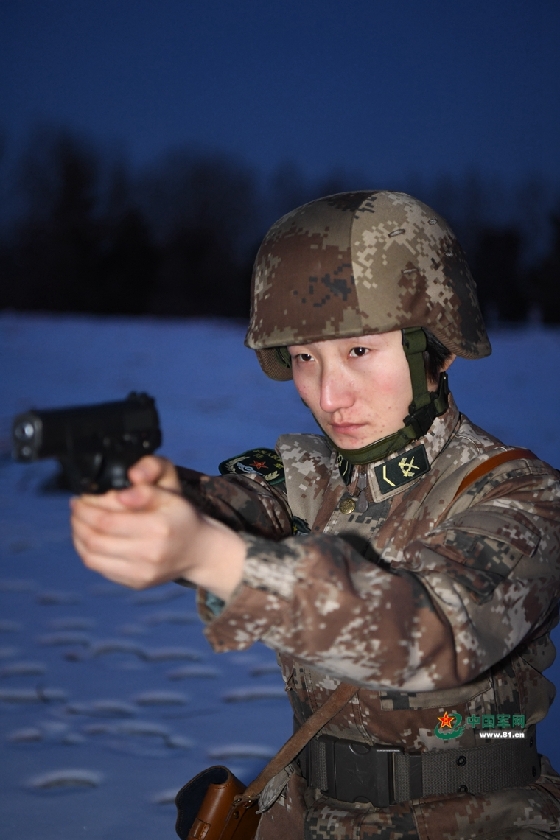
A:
[359,263]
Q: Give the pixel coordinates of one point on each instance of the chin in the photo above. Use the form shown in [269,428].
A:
[347,442]
[357,441]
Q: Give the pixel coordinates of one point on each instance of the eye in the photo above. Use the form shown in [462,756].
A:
[358,352]
[301,357]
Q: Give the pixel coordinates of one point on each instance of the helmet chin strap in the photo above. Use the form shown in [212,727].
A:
[425,406]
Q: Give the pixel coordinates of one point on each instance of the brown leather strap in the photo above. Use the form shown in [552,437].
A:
[487,466]
[299,739]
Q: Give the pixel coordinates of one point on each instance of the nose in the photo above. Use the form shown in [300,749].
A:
[337,391]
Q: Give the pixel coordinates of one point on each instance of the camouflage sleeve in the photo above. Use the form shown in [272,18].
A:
[243,503]
[432,614]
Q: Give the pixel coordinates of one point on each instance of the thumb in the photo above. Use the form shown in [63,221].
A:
[155,471]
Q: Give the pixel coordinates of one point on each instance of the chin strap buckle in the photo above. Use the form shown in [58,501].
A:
[421,419]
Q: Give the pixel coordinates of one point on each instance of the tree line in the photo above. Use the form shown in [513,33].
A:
[178,238]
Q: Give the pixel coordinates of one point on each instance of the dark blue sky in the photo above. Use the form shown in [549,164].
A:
[385,89]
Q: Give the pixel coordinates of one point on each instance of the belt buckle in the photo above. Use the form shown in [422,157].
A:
[362,773]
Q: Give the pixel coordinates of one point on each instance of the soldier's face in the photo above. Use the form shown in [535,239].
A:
[358,388]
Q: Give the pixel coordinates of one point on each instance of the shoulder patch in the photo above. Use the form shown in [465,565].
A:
[264,462]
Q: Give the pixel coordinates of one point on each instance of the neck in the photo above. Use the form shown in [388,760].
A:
[416,424]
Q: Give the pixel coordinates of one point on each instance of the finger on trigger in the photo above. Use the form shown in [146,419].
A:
[105,501]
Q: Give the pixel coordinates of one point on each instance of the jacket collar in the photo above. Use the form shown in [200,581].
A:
[400,470]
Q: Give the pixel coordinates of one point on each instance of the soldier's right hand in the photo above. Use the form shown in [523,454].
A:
[149,534]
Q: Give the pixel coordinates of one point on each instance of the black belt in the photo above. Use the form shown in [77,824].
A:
[353,771]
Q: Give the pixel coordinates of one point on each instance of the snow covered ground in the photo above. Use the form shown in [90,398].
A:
[110,700]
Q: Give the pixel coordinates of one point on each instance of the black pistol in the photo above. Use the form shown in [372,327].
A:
[95,444]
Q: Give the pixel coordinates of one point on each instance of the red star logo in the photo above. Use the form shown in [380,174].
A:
[446,721]
[259,465]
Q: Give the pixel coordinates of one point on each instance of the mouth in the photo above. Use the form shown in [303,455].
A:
[347,429]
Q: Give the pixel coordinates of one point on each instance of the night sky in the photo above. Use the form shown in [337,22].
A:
[384,89]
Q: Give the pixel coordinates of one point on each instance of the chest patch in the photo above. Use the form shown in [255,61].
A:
[263,462]
[402,469]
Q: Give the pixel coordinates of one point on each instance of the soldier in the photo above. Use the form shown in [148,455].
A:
[404,550]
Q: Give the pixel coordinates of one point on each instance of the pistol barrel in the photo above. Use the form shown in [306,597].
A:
[97,442]
[27,436]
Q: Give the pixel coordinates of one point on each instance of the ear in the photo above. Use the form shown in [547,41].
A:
[433,384]
[448,362]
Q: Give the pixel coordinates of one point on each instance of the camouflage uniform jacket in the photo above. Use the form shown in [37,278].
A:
[431,602]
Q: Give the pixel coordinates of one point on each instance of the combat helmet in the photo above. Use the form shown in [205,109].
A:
[362,263]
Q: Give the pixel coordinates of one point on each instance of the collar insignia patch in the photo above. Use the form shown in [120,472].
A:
[402,469]
[263,462]
[345,468]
